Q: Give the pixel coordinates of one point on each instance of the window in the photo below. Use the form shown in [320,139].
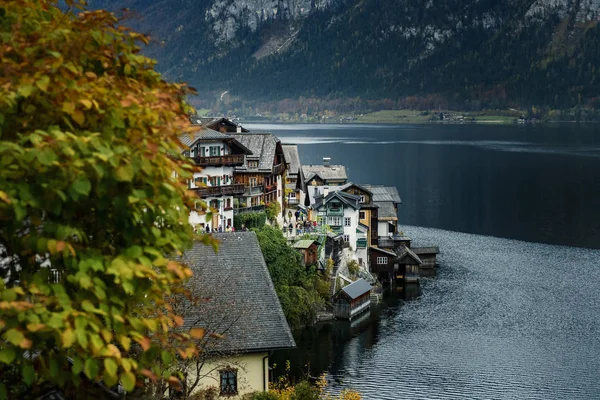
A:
[382,260]
[253,163]
[228,382]
[361,215]
[362,198]
[334,221]
[346,238]
[252,182]
[215,151]
[347,221]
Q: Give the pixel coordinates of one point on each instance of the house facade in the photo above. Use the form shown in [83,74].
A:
[217,154]
[340,211]
[352,299]
[237,301]
[386,199]
[263,172]
[294,194]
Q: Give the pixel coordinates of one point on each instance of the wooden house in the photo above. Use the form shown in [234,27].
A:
[387,199]
[294,194]
[406,265]
[309,250]
[382,263]
[428,256]
[352,299]
[263,172]
[219,124]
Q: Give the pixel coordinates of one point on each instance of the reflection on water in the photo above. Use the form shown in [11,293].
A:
[503,319]
[538,184]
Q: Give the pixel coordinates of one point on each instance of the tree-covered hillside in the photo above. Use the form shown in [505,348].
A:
[468,54]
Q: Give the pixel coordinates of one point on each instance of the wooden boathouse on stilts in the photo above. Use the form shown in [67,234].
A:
[352,299]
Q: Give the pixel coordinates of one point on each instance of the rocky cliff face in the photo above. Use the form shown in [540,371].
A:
[377,48]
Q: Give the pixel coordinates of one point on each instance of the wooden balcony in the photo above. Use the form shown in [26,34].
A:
[243,210]
[278,169]
[227,190]
[253,190]
[270,188]
[230,160]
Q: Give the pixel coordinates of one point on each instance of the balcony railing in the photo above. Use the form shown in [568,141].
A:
[270,188]
[253,190]
[278,169]
[227,190]
[293,202]
[230,159]
[242,210]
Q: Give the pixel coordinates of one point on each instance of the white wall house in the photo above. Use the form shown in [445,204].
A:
[217,154]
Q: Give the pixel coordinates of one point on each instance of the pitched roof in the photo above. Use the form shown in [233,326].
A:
[388,252]
[215,123]
[384,193]
[426,250]
[346,198]
[387,211]
[357,288]
[239,295]
[263,147]
[207,135]
[292,157]
[350,184]
[333,172]
[405,251]
[303,244]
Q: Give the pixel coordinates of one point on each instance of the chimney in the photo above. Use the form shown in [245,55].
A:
[325,191]
[326,161]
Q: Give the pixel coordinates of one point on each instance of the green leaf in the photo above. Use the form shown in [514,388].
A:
[82,186]
[128,381]
[111,367]
[28,374]
[54,369]
[7,355]
[26,90]
[3,392]
[77,366]
[124,173]
[90,368]
[14,336]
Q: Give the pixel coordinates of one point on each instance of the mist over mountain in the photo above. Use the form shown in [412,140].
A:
[468,54]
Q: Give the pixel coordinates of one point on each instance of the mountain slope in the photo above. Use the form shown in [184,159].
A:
[463,53]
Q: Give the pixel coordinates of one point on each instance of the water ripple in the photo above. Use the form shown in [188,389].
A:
[503,319]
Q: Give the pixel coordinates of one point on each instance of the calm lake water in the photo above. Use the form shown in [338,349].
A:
[514,311]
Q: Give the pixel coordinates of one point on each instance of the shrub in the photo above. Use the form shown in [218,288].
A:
[250,220]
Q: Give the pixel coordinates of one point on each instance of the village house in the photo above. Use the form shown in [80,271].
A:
[386,199]
[219,124]
[318,179]
[263,172]
[294,193]
[239,304]
[218,154]
[339,210]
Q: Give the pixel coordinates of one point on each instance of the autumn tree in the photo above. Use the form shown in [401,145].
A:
[92,198]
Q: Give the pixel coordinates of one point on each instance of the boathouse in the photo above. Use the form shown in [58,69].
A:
[407,265]
[352,299]
[428,256]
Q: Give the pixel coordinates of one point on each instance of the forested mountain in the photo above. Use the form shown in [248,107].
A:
[468,54]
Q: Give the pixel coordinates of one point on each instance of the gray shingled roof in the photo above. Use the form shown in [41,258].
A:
[386,211]
[325,173]
[303,244]
[388,252]
[290,151]
[357,288]
[346,198]
[239,294]
[404,251]
[202,134]
[426,250]
[263,147]
[383,193]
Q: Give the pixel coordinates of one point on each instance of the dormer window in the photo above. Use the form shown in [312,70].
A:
[253,163]
[362,198]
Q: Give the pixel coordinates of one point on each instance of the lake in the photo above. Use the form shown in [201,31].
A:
[514,311]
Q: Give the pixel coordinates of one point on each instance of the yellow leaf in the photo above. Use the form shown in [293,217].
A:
[43,83]
[86,103]
[197,333]
[68,337]
[127,69]
[78,117]
[35,327]
[4,197]
[68,107]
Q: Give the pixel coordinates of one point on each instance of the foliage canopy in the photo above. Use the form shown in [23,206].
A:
[92,198]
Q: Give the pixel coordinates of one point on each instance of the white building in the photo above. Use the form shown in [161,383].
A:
[340,210]
[217,153]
